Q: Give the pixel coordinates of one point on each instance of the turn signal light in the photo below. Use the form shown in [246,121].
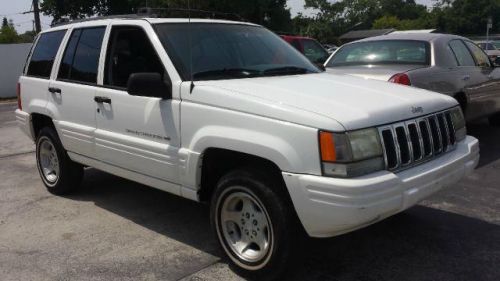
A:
[401,78]
[327,147]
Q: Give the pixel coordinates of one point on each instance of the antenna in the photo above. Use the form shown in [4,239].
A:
[191,87]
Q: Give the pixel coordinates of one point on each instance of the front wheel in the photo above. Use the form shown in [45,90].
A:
[255,224]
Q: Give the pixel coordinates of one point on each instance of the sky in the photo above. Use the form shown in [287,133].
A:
[12,9]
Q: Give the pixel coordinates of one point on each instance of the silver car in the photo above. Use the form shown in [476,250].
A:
[447,64]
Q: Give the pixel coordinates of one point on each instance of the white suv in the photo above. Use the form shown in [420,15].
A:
[230,114]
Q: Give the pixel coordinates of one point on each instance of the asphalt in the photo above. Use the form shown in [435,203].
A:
[114,229]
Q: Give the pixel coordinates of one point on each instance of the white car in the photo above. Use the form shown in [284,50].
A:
[229,114]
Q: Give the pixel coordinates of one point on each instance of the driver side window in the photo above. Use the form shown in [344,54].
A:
[129,51]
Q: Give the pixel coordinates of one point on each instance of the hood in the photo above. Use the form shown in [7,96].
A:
[493,52]
[322,100]
[377,72]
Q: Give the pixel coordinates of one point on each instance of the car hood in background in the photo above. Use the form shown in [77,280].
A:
[321,100]
[377,72]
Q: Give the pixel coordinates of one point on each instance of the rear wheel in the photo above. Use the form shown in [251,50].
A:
[255,224]
[59,174]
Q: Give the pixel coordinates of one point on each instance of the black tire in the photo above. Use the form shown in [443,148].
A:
[494,120]
[69,174]
[277,208]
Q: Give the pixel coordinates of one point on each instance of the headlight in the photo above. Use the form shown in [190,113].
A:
[351,154]
[457,117]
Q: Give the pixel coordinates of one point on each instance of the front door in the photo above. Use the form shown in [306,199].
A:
[139,134]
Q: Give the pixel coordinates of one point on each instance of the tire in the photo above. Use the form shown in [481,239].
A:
[254,210]
[494,120]
[59,174]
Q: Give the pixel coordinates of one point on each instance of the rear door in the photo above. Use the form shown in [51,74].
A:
[139,134]
[72,93]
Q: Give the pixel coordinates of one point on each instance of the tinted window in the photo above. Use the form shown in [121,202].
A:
[129,51]
[81,58]
[314,51]
[44,54]
[462,54]
[382,52]
[230,51]
[481,58]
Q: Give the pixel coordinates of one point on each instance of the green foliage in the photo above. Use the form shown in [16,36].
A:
[8,33]
[270,13]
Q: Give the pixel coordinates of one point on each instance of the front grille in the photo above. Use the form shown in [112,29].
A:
[415,141]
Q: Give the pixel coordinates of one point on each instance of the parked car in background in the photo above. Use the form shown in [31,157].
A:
[447,64]
[491,50]
[311,48]
[330,48]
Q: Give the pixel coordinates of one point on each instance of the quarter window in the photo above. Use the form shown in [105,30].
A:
[44,54]
[129,51]
[81,58]
[462,54]
[482,59]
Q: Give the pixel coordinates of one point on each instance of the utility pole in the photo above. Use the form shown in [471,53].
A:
[36,11]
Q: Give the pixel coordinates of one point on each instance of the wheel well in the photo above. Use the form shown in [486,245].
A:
[218,162]
[462,100]
[40,121]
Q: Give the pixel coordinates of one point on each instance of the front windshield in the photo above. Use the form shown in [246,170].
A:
[382,52]
[229,51]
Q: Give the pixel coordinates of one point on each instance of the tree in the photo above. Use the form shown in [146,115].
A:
[466,17]
[8,33]
[270,13]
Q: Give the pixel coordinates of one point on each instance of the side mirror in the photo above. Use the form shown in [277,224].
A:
[148,84]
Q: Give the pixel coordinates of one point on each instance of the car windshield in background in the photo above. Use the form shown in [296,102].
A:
[382,52]
[314,51]
[487,46]
[229,51]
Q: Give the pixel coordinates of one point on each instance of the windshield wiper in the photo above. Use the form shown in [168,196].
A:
[226,72]
[285,70]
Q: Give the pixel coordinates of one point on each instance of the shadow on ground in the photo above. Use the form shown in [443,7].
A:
[420,244]
[489,141]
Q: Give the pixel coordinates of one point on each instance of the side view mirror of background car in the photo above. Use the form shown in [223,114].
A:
[150,84]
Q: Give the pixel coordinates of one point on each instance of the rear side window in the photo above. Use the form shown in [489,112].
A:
[480,56]
[44,53]
[81,58]
[462,54]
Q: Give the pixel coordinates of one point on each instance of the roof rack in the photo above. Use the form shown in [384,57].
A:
[159,13]
[180,12]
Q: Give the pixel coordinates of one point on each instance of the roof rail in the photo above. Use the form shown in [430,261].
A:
[158,13]
[65,21]
[181,12]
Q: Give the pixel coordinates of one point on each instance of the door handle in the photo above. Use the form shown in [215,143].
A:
[466,77]
[55,90]
[99,99]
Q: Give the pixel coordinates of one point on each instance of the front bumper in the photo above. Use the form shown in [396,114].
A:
[331,206]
